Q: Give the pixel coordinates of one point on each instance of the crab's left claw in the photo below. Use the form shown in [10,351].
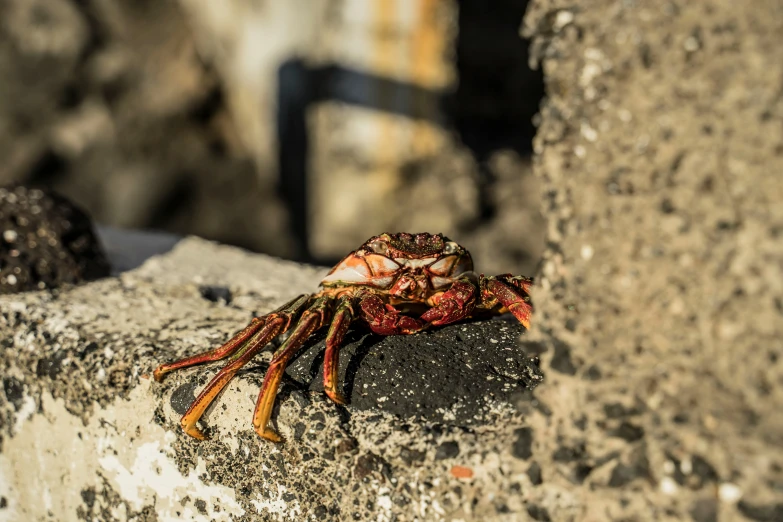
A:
[511,292]
[455,304]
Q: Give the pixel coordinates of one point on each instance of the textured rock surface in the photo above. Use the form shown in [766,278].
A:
[659,151]
[427,411]
[45,241]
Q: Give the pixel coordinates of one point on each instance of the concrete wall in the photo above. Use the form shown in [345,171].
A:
[659,151]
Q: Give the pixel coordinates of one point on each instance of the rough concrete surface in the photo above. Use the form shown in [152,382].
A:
[660,151]
[86,434]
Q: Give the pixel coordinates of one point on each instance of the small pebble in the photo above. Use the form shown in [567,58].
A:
[729,493]
[668,486]
[587,252]
[461,472]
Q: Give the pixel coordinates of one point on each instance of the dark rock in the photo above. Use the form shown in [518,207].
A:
[534,473]
[761,512]
[447,450]
[666,206]
[523,445]
[368,463]
[201,506]
[45,242]
[87,350]
[215,293]
[317,416]
[539,513]
[580,472]
[51,366]
[561,361]
[705,510]
[346,445]
[568,453]
[501,508]
[615,410]
[628,432]
[637,467]
[183,397]
[301,399]
[621,475]
[14,391]
[410,456]
[88,496]
[593,373]
[425,374]
[700,474]
[703,471]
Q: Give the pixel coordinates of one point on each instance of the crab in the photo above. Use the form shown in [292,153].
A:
[384,283]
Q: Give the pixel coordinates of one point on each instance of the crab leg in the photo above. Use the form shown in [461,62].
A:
[342,320]
[217,354]
[275,324]
[221,352]
[312,319]
[454,305]
[385,319]
[512,292]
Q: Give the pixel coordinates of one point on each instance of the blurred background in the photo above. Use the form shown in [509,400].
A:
[296,128]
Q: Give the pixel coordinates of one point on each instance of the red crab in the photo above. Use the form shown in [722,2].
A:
[387,275]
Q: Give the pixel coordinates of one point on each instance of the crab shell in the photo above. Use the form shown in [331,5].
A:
[408,266]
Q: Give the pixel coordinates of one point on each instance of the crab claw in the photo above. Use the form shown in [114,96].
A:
[455,304]
[512,292]
[385,319]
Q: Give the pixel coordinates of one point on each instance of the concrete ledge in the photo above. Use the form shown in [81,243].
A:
[435,427]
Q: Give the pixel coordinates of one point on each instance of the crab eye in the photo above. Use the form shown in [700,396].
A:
[379,247]
[450,248]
